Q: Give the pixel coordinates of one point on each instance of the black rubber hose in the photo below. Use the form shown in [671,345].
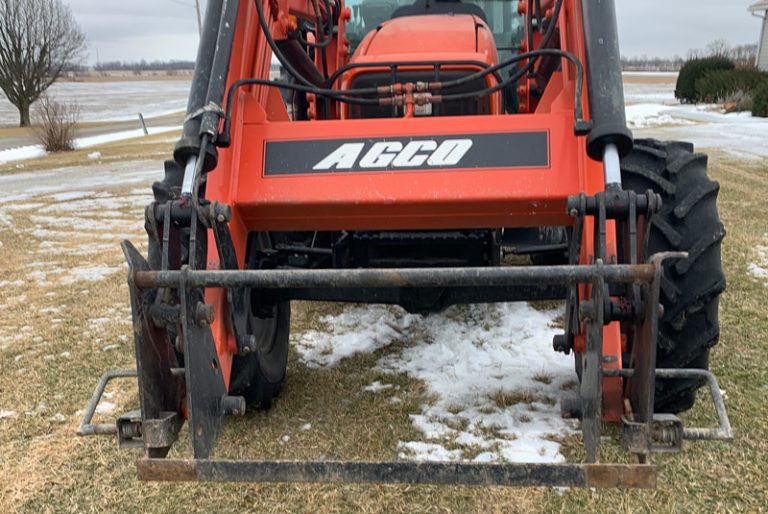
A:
[327,38]
[224,140]
[579,113]
[519,74]
[273,45]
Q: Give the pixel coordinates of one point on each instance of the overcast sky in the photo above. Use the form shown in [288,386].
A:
[167,29]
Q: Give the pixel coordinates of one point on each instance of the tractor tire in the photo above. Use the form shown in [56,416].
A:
[690,290]
[259,376]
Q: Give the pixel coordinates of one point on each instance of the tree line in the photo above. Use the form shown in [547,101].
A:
[743,56]
[143,65]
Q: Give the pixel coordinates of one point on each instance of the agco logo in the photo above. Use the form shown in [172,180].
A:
[395,154]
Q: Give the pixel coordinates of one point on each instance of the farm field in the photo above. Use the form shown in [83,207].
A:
[476,383]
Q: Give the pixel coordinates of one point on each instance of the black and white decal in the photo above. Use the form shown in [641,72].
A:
[508,150]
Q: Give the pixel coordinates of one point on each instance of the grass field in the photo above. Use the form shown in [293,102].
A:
[64,319]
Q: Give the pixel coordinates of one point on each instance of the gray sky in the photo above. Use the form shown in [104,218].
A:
[167,29]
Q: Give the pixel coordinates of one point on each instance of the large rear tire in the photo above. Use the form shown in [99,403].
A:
[259,376]
[688,221]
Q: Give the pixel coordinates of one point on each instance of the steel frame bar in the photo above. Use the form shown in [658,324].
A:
[438,473]
[88,428]
[382,278]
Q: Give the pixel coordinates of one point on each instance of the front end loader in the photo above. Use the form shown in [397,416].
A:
[409,148]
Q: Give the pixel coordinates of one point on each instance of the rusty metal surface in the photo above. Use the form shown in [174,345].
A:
[439,473]
[203,373]
[159,390]
[163,431]
[640,476]
[591,389]
[381,278]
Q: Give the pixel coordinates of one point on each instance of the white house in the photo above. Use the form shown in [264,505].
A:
[760,9]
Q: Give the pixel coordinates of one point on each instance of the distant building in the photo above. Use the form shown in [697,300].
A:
[760,9]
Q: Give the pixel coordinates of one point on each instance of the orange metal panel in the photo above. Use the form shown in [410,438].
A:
[403,199]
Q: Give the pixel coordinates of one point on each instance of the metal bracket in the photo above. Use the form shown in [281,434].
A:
[723,432]
[663,435]
[129,430]
[87,428]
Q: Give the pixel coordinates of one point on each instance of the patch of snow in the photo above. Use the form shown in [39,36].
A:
[759,269]
[22,206]
[21,153]
[117,101]
[70,195]
[653,111]
[482,364]
[33,151]
[376,387]
[105,407]
[486,457]
[91,274]
[356,330]
[86,142]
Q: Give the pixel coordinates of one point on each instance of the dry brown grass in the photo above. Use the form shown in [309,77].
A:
[154,146]
[45,468]
[643,78]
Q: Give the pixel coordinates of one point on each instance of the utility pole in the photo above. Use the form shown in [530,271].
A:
[199,19]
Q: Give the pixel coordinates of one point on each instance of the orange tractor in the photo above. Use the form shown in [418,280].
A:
[409,146]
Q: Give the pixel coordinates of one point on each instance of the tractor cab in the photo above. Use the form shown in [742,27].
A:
[501,17]
[456,39]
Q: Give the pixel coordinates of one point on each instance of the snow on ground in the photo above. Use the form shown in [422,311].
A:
[77,180]
[649,93]
[33,151]
[653,111]
[490,368]
[759,269]
[74,211]
[739,134]
[113,101]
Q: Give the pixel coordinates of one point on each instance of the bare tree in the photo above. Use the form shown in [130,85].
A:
[56,131]
[718,48]
[38,39]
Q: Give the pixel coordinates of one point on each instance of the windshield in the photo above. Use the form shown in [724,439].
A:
[502,17]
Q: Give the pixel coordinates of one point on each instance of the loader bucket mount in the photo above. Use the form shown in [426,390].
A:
[192,388]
